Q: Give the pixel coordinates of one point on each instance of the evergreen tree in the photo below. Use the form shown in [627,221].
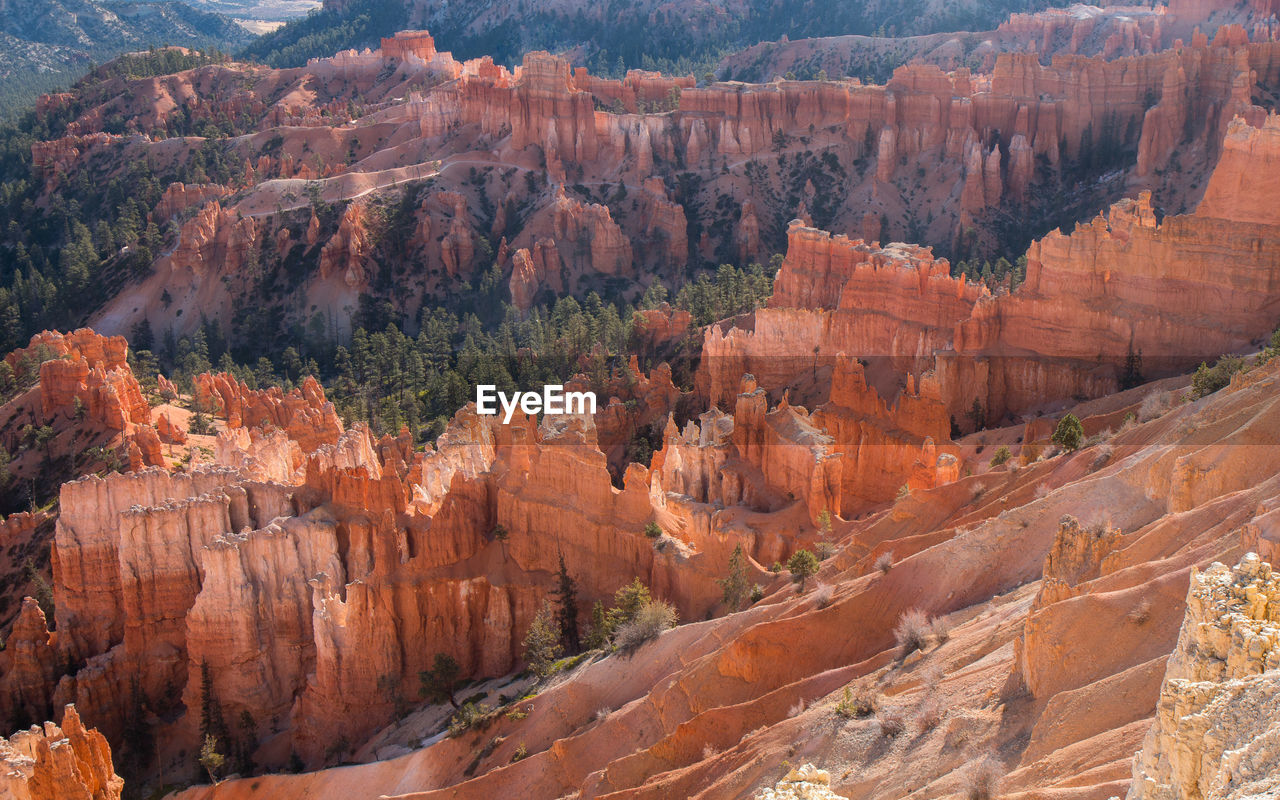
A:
[802,565]
[566,593]
[1069,434]
[440,682]
[542,643]
[734,585]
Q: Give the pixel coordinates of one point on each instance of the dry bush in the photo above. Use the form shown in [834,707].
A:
[1155,405]
[891,722]
[603,713]
[931,677]
[928,714]
[649,622]
[1142,614]
[1101,457]
[939,630]
[981,779]
[822,596]
[884,562]
[709,751]
[912,632]
[1042,491]
[796,710]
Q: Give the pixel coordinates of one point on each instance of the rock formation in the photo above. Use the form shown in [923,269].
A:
[52,762]
[805,783]
[303,413]
[182,196]
[1215,733]
[342,257]
[91,370]
[212,243]
[1090,298]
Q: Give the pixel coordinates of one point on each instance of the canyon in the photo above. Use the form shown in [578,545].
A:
[912,530]
[566,182]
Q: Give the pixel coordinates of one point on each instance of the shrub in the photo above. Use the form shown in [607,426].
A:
[1002,455]
[1272,349]
[757,593]
[822,597]
[1142,613]
[211,759]
[1154,405]
[928,714]
[652,530]
[1208,380]
[1069,434]
[939,630]
[884,562]
[824,550]
[981,779]
[891,722]
[1101,458]
[802,565]
[471,715]
[912,632]
[861,703]
[650,621]
[521,753]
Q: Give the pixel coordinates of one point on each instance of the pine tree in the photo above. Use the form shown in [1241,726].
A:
[802,565]
[440,682]
[1069,434]
[566,593]
[542,643]
[734,585]
[210,758]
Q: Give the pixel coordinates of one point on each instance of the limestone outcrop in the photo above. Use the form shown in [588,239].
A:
[1215,734]
[805,783]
